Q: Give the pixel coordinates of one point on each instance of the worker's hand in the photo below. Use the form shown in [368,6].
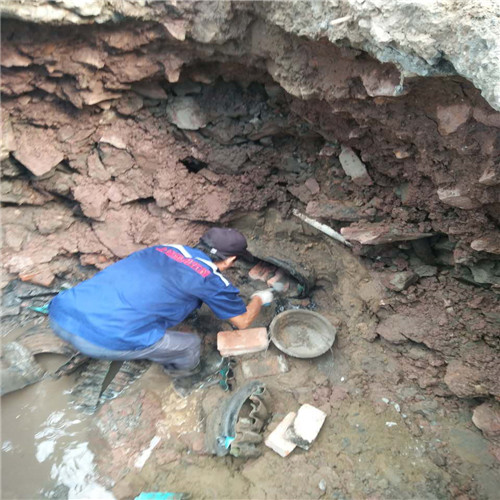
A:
[266,297]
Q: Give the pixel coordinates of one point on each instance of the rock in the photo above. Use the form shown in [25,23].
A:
[487,116]
[456,197]
[354,167]
[8,139]
[185,113]
[95,168]
[93,199]
[400,281]
[177,28]
[272,365]
[425,271]
[379,233]
[489,243]
[487,418]
[237,342]
[312,185]
[116,161]
[306,426]
[41,276]
[486,272]
[130,104]
[12,58]
[151,90]
[9,311]
[464,381]
[450,118]
[336,210]
[36,151]
[278,441]
[491,176]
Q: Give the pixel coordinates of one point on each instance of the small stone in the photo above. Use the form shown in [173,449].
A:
[450,118]
[312,185]
[43,276]
[150,90]
[9,311]
[130,104]
[391,424]
[277,440]
[386,401]
[237,342]
[306,426]
[354,167]
[36,151]
[491,176]
[425,271]
[380,233]
[457,197]
[185,113]
[489,243]
[487,418]
[322,485]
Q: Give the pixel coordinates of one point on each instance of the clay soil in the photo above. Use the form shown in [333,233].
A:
[117,137]
[393,429]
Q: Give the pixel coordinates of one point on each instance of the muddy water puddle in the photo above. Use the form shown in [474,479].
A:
[45,449]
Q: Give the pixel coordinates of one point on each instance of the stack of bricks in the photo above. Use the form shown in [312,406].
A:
[271,275]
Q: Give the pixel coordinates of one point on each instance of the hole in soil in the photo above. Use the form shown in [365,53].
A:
[193,165]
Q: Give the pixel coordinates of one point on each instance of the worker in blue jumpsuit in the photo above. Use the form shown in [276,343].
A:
[128,310]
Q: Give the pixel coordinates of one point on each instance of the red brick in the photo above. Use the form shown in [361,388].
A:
[235,342]
[279,277]
[262,271]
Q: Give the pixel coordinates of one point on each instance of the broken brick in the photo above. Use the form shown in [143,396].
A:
[277,440]
[273,365]
[237,342]
[306,426]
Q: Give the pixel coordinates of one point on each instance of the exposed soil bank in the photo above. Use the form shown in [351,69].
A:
[145,131]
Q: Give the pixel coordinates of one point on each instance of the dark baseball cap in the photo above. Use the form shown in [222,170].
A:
[226,242]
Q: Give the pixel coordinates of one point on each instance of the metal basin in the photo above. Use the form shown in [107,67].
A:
[302,334]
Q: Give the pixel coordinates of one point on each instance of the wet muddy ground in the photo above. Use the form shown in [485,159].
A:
[386,435]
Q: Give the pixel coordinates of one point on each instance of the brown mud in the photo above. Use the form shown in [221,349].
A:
[389,433]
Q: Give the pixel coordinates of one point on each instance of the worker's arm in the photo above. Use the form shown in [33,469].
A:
[253,309]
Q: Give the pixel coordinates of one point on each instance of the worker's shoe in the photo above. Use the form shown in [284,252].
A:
[176,373]
[207,372]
